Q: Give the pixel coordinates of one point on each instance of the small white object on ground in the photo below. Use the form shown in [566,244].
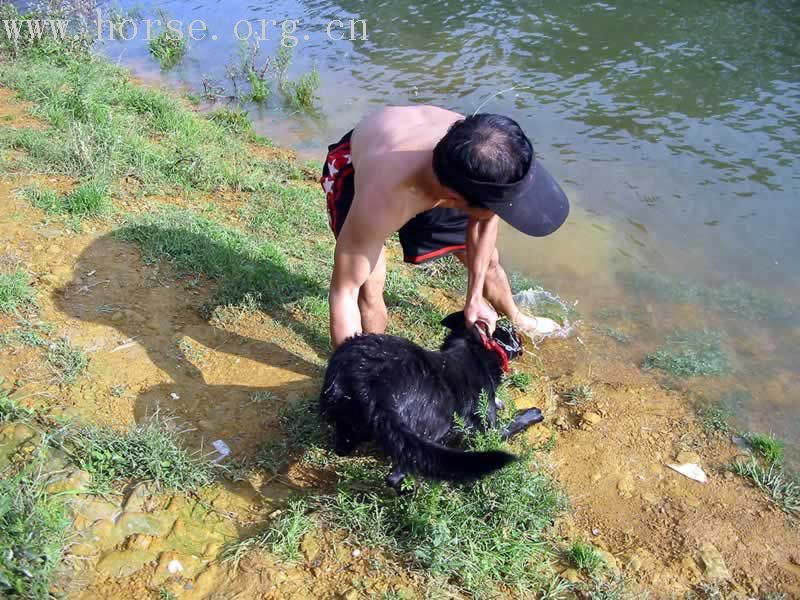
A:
[174,396]
[691,470]
[175,566]
[222,448]
[356,553]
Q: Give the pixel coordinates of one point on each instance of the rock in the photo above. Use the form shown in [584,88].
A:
[609,559]
[117,317]
[351,594]
[625,486]
[571,575]
[687,457]
[714,567]
[93,509]
[310,547]
[156,523]
[139,498]
[123,563]
[651,498]
[72,480]
[591,418]
[562,423]
[174,564]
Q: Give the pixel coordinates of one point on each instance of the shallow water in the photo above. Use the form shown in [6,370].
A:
[674,127]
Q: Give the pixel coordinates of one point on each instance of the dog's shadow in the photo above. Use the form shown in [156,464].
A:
[218,383]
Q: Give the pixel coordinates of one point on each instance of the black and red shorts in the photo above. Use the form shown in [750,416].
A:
[431,234]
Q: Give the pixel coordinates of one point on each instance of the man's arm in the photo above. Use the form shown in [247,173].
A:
[481,243]
[357,252]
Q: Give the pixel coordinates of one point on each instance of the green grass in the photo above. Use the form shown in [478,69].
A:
[88,200]
[767,446]
[168,47]
[585,557]
[577,394]
[67,361]
[232,120]
[27,333]
[715,420]
[33,534]
[780,487]
[282,538]
[16,293]
[302,94]
[149,451]
[690,353]
[520,380]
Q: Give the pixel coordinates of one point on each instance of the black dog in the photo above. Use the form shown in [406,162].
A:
[389,389]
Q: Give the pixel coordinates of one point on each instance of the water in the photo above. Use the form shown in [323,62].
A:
[673,125]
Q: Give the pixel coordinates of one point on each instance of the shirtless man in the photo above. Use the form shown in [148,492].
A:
[444,182]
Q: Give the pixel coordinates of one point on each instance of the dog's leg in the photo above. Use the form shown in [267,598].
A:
[522,420]
[345,442]
[395,478]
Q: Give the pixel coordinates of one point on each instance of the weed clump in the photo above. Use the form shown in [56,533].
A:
[585,557]
[690,353]
[578,394]
[302,94]
[33,528]
[16,292]
[67,361]
[149,451]
[767,446]
[779,486]
[282,538]
[168,47]
[88,200]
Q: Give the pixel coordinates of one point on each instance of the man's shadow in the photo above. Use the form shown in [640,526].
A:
[221,383]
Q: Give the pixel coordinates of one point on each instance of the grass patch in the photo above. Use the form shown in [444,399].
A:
[520,380]
[168,47]
[767,446]
[690,353]
[33,527]
[282,538]
[16,292]
[69,362]
[27,333]
[577,394]
[88,200]
[779,486]
[585,557]
[302,93]
[714,419]
[150,451]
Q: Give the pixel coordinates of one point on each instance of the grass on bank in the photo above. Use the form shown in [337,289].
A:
[67,361]
[781,487]
[88,200]
[282,538]
[585,557]
[690,353]
[16,293]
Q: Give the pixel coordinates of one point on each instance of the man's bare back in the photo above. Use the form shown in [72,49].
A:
[392,150]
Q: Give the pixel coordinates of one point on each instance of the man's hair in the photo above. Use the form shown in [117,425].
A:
[483,147]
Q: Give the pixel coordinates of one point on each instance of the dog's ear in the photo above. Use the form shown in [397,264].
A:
[455,321]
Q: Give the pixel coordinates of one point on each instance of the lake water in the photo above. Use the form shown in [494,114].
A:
[674,126]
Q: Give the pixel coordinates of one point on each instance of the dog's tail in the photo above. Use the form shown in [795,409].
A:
[418,455]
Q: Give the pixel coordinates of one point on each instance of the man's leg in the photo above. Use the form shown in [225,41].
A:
[374,315]
[497,290]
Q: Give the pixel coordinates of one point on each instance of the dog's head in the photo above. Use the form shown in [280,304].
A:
[504,334]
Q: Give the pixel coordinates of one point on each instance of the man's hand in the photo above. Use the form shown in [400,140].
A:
[480,310]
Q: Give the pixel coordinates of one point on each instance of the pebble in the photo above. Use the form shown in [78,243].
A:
[687,457]
[714,567]
[591,418]
[356,553]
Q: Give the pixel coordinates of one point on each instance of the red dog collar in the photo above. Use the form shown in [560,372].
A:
[492,345]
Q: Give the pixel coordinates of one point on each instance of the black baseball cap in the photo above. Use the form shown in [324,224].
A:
[534,204]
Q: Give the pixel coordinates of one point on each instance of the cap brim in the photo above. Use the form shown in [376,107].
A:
[538,209]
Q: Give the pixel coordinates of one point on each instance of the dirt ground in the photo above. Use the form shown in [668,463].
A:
[150,350]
